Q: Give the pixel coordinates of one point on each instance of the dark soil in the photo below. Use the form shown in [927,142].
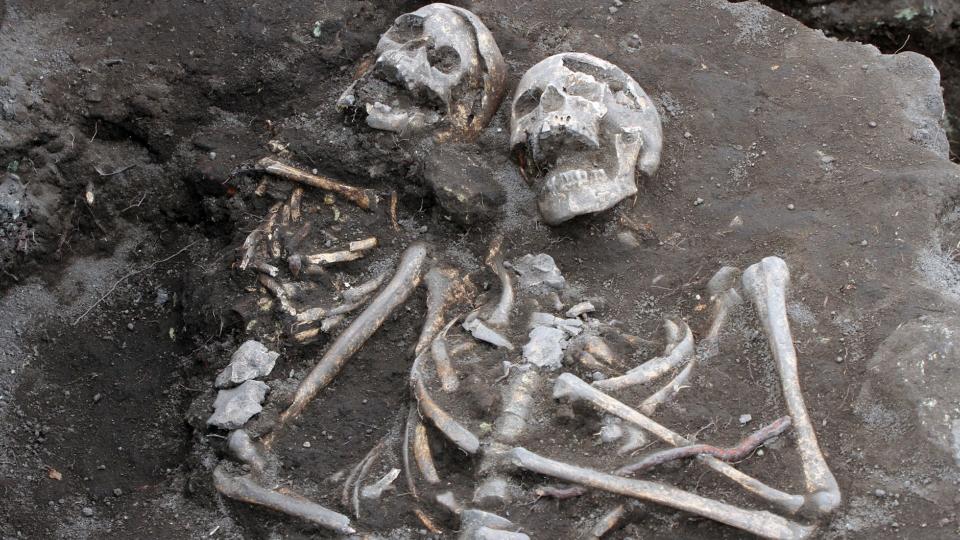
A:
[117,314]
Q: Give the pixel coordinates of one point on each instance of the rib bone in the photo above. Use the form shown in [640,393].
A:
[766,284]
[244,489]
[459,435]
[500,316]
[651,369]
[571,386]
[445,287]
[395,293]
[758,522]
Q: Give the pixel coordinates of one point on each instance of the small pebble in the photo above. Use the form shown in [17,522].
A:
[117,492]
[613,9]
[872,124]
[839,359]
[760,452]
[687,134]
[97,398]
[863,242]
[129,326]
[87,511]
[791,206]
[745,419]
[618,3]
[306,444]
[213,155]
[698,202]
[880,493]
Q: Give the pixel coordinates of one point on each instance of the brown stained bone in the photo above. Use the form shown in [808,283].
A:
[446,286]
[243,489]
[760,523]
[395,293]
[296,198]
[453,430]
[263,232]
[560,493]
[723,302]
[449,382]
[679,349]
[356,250]
[363,290]
[422,453]
[363,198]
[500,316]
[766,284]
[572,387]
[413,417]
[279,292]
[607,523]
[735,453]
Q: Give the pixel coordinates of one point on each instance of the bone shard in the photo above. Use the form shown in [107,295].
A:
[500,316]
[395,293]
[676,353]
[251,360]
[761,523]
[445,287]
[244,489]
[484,333]
[580,309]
[233,407]
[376,490]
[545,348]
[766,284]
[570,386]
[453,430]
[538,272]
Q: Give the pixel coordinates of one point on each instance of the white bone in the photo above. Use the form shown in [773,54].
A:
[766,283]
[673,356]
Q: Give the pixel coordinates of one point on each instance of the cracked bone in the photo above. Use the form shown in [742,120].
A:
[761,523]
[484,333]
[364,198]
[251,360]
[766,283]
[453,430]
[724,299]
[500,316]
[679,349]
[233,407]
[241,488]
[445,287]
[572,387]
[385,483]
[545,348]
[279,292]
[538,272]
[404,281]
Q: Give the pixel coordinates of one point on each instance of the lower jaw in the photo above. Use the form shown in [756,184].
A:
[573,192]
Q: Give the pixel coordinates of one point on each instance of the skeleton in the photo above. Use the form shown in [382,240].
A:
[581,126]
[437,69]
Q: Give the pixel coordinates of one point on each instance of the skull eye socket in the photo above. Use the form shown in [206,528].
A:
[527,102]
[407,27]
[444,59]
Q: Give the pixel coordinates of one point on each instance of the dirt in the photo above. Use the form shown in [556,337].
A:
[132,127]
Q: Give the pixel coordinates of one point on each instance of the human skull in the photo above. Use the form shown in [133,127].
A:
[582,125]
[437,69]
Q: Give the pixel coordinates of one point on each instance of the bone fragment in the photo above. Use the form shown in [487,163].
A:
[486,533]
[422,453]
[361,197]
[449,501]
[561,493]
[244,489]
[296,196]
[655,367]
[441,360]
[265,268]
[571,386]
[734,453]
[244,450]
[362,471]
[355,251]
[385,483]
[445,287]
[253,240]
[580,309]
[766,283]
[279,292]
[606,523]
[360,292]
[395,293]
[453,430]
[761,523]
[487,334]
[479,525]
[500,316]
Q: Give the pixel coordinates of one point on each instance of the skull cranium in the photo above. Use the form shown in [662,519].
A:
[583,124]
[437,69]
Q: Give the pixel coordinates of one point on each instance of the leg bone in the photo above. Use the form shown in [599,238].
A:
[761,523]
[766,284]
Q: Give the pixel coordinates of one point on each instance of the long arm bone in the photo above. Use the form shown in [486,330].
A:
[679,349]
[395,293]
[361,197]
[243,489]
[734,453]
[724,299]
[569,385]
[766,284]
[500,316]
[761,523]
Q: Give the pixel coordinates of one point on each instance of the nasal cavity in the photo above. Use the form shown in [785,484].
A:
[552,100]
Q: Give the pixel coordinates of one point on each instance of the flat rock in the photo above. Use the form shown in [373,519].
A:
[235,406]
[538,271]
[463,186]
[251,360]
[545,348]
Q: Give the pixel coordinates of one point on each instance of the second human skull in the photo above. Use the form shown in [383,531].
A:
[581,125]
[437,69]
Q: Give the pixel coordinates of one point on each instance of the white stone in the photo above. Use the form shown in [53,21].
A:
[545,348]
[537,271]
[235,406]
[250,361]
